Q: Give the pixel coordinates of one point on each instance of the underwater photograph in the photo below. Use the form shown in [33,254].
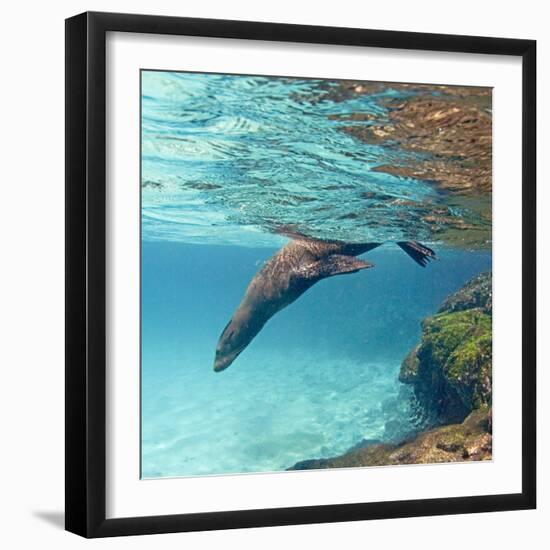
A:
[316,274]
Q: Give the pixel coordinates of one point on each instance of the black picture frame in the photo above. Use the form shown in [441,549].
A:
[86,274]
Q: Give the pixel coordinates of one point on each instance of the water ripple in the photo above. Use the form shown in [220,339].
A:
[224,156]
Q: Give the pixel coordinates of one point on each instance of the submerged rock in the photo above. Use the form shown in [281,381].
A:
[477,293]
[469,440]
[409,367]
[450,369]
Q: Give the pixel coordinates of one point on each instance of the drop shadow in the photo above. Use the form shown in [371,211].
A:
[55,518]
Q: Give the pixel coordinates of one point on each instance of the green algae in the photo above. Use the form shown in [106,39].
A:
[469,370]
[451,368]
[456,348]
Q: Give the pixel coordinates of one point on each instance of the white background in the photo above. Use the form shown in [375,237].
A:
[31,299]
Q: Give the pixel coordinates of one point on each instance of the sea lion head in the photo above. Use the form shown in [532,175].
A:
[231,343]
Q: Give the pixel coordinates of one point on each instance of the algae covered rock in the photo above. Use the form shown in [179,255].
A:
[459,346]
[451,369]
[469,440]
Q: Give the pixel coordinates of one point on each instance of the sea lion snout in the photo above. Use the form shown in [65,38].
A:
[221,363]
[222,360]
[229,346]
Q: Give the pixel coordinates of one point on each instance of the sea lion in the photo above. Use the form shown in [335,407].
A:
[286,276]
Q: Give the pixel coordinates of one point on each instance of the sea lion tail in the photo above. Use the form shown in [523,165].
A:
[420,253]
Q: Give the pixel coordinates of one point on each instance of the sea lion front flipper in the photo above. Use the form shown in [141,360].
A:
[420,253]
[335,264]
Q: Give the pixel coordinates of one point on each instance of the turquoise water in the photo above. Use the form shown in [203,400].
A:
[225,162]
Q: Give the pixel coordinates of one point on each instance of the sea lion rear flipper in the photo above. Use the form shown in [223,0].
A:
[337,264]
[420,253]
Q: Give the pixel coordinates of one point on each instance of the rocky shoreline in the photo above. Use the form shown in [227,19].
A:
[450,372]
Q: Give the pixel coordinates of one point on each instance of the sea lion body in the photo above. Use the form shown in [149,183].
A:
[285,277]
